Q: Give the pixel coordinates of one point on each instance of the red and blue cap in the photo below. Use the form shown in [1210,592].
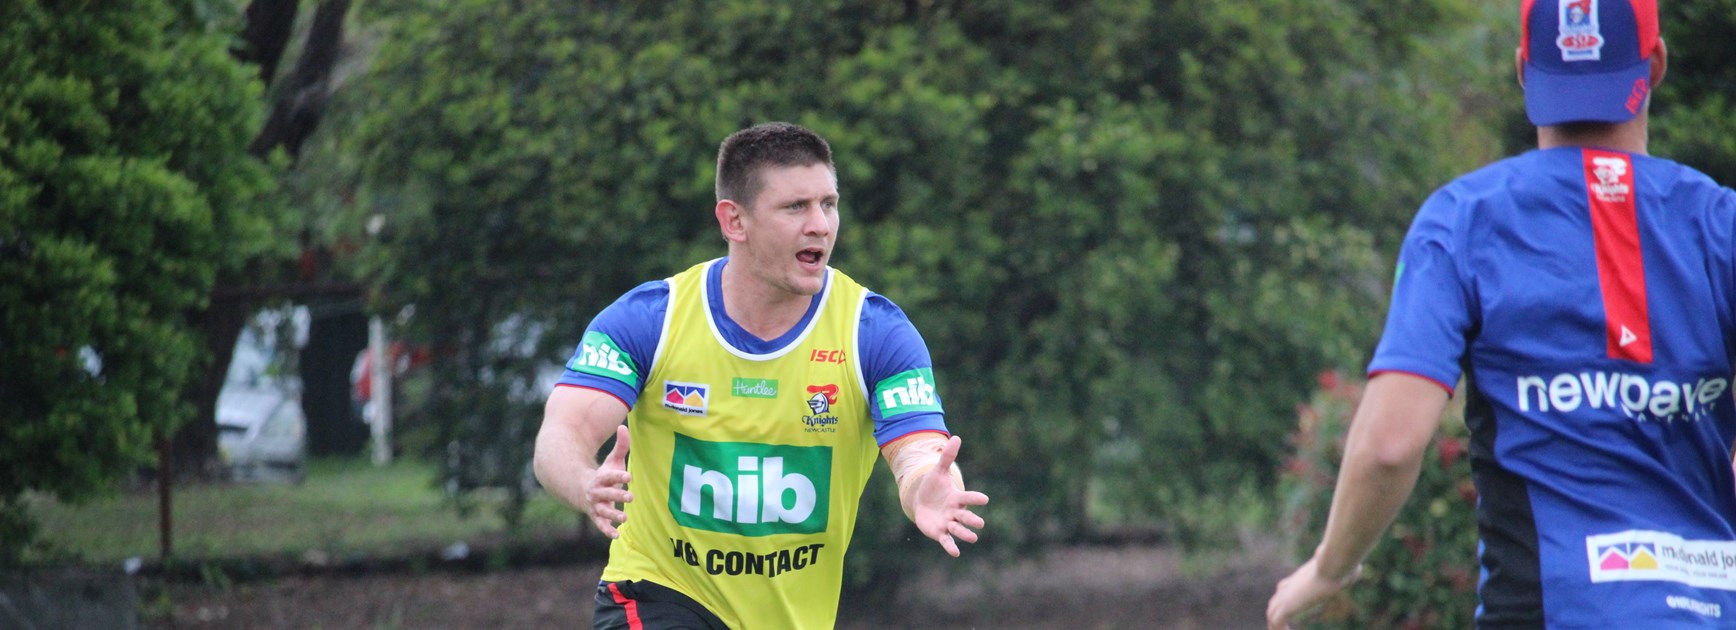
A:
[1587,60]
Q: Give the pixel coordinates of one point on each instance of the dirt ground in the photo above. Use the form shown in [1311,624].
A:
[1093,587]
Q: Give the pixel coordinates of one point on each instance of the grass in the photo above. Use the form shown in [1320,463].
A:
[344,508]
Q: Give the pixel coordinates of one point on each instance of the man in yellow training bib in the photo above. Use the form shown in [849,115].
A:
[756,389]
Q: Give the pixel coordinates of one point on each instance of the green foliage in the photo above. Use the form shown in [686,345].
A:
[1423,574]
[124,188]
[18,524]
[1693,114]
[1181,236]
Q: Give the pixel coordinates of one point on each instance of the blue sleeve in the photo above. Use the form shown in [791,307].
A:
[1431,315]
[898,373]
[615,354]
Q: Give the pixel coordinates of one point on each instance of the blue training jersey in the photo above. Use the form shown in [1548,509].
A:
[1587,298]
[631,327]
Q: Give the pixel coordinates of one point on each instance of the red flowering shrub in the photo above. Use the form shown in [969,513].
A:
[1423,574]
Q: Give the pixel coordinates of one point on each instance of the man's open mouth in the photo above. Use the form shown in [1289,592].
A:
[810,256]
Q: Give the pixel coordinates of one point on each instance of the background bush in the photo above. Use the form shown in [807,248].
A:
[1423,574]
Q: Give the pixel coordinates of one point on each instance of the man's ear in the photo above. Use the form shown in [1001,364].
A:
[1660,63]
[729,221]
[1519,66]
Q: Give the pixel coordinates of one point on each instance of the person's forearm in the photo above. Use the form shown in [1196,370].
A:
[1383,453]
[1369,495]
[561,464]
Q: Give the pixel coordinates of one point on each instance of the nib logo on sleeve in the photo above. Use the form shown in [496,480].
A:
[599,355]
[908,391]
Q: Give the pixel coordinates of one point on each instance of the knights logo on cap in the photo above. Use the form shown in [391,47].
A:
[1580,39]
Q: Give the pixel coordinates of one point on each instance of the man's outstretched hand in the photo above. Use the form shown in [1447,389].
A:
[941,509]
[608,486]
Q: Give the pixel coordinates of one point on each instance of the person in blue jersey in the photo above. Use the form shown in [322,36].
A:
[1586,293]
[757,391]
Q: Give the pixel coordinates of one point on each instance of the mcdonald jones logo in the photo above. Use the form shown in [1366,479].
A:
[687,398]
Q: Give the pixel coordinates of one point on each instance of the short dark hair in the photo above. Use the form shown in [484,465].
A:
[745,153]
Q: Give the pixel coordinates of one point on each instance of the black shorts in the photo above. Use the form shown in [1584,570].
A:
[641,605]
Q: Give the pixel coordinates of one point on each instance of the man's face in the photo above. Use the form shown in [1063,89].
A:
[791,228]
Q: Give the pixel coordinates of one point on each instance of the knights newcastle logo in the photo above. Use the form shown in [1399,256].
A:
[820,401]
[1580,39]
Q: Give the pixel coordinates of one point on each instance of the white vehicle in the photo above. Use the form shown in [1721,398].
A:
[262,434]
[261,429]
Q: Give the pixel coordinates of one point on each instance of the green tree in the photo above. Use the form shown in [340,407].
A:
[488,208]
[1694,112]
[1168,245]
[124,189]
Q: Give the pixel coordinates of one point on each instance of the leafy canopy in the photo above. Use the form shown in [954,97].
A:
[124,188]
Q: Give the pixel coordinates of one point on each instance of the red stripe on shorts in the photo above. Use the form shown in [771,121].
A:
[1621,272]
[631,606]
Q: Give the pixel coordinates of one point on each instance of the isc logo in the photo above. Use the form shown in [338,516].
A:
[750,489]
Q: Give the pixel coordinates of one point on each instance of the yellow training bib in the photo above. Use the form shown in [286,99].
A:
[748,469]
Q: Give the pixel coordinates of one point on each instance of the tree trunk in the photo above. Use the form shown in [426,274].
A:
[269,24]
[195,444]
[294,116]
